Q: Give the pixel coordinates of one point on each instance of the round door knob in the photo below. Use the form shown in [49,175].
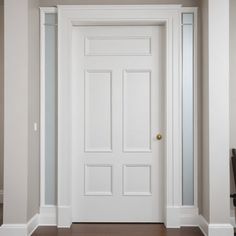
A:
[159,136]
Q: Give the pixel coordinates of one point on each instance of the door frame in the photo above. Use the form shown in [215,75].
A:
[176,213]
[170,17]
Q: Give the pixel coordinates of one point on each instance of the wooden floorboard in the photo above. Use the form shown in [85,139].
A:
[117,230]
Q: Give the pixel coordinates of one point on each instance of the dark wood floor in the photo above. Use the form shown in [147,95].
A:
[117,230]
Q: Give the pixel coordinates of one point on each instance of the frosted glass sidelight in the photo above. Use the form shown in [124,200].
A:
[50,107]
[188,109]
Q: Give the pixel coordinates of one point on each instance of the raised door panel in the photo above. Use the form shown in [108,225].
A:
[137,111]
[98,111]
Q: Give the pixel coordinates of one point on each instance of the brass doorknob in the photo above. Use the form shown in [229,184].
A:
[159,137]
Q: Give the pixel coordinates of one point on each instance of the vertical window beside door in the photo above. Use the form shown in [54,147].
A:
[188,108]
[50,107]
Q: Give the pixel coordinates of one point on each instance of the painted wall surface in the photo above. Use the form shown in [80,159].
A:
[16,111]
[1,93]
[187,3]
[33,109]
[232,87]
[205,114]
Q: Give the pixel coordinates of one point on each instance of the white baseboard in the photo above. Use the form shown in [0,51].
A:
[182,216]
[53,215]
[13,230]
[232,221]
[172,217]
[220,229]
[1,196]
[20,229]
[32,224]
[48,215]
[64,219]
[215,229]
[203,225]
[189,216]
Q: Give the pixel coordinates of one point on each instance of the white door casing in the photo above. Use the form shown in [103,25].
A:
[169,18]
[117,110]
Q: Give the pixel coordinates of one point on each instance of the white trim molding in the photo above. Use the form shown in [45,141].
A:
[20,229]
[220,229]
[183,216]
[13,230]
[189,216]
[215,229]
[166,15]
[48,215]
[33,224]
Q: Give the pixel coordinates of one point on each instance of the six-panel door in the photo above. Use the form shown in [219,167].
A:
[118,109]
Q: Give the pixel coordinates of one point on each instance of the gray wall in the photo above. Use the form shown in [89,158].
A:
[1,93]
[205,111]
[63,2]
[232,84]
[21,142]
[33,110]
[16,111]
[233,72]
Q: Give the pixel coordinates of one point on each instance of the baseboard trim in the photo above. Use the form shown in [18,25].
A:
[13,230]
[64,219]
[48,215]
[181,216]
[215,229]
[220,229]
[203,225]
[172,217]
[33,224]
[232,221]
[51,215]
[20,229]
[189,216]
[1,196]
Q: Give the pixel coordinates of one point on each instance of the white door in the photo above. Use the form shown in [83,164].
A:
[118,108]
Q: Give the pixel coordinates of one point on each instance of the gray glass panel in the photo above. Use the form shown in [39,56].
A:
[50,108]
[188,110]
